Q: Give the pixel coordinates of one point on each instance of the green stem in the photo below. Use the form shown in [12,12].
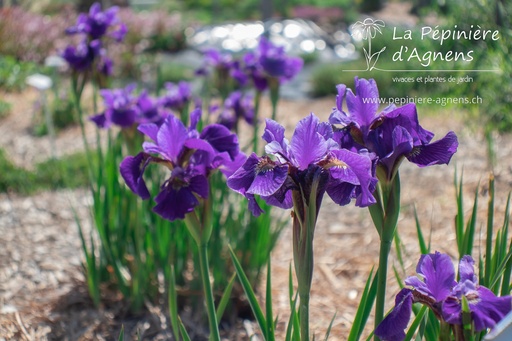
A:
[385,217]
[208,293]
[304,317]
[77,90]
[274,96]
[306,207]
[385,247]
[255,136]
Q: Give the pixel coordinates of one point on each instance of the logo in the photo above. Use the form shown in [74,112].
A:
[405,51]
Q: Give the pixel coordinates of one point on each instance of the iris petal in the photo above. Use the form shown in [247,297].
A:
[307,145]
[438,274]
[439,152]
[132,169]
[393,326]
[171,137]
[363,105]
[489,309]
[173,203]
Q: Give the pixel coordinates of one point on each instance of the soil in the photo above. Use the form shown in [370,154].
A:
[42,291]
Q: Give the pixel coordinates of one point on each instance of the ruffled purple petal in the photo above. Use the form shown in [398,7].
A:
[488,309]
[221,139]
[173,204]
[100,120]
[307,145]
[229,167]
[407,117]
[436,153]
[199,185]
[123,118]
[392,328]
[467,269]
[282,198]
[132,168]
[355,169]
[171,137]
[363,105]
[242,179]
[451,310]
[149,129]
[253,205]
[268,181]
[438,274]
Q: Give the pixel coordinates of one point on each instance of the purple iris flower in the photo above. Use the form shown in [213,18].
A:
[124,109]
[177,96]
[270,63]
[486,308]
[393,134]
[237,106]
[150,109]
[443,295]
[253,68]
[312,155]
[214,59]
[190,157]
[96,23]
[120,108]
[81,57]
[275,62]
[94,26]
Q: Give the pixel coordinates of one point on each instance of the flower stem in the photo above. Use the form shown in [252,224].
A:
[385,218]
[274,95]
[208,294]
[304,317]
[385,247]
[257,100]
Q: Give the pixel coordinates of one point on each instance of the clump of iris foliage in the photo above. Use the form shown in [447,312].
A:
[184,153]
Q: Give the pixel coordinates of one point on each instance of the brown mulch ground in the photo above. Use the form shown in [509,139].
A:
[42,290]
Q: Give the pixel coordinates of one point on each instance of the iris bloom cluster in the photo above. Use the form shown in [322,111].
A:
[270,63]
[190,157]
[177,96]
[237,106]
[267,64]
[124,109]
[311,155]
[393,134]
[94,27]
[438,289]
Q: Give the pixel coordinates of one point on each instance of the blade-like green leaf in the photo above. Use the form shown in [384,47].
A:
[268,304]
[415,323]
[469,233]
[328,332]
[421,240]
[173,305]
[459,218]
[363,310]
[489,235]
[121,334]
[226,295]
[183,331]
[251,296]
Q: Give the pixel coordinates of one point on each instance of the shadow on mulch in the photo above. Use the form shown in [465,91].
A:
[74,317]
